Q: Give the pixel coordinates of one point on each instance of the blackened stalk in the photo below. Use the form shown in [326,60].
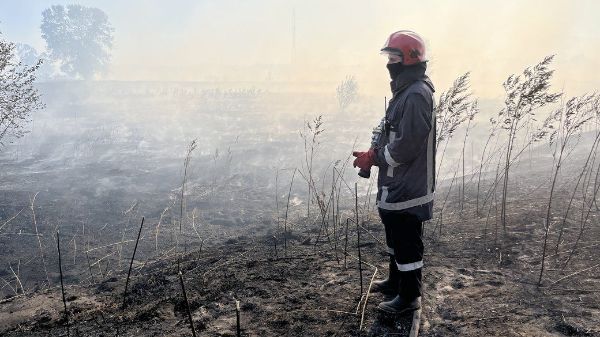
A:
[358,237]
[287,208]
[346,244]
[187,304]
[333,215]
[62,285]
[131,264]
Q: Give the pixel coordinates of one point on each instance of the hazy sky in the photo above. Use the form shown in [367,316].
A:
[187,39]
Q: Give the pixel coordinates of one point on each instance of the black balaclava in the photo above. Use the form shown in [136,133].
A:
[403,75]
[395,69]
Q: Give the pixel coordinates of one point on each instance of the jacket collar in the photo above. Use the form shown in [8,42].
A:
[408,76]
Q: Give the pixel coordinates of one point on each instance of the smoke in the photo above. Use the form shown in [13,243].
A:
[317,41]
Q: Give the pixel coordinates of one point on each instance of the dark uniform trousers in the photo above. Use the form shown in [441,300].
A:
[404,238]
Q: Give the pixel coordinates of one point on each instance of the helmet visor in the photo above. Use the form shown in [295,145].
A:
[392,57]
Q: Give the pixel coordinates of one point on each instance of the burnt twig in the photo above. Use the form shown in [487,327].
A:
[287,207]
[362,317]
[575,273]
[131,264]
[346,244]
[37,234]
[358,236]
[187,303]
[62,286]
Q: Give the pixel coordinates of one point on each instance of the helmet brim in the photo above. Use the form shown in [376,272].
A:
[389,50]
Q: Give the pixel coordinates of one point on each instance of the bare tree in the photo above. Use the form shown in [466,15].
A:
[18,96]
[347,92]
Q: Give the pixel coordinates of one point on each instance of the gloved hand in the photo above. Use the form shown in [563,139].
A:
[364,160]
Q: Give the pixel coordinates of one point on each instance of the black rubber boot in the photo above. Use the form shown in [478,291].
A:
[400,306]
[389,286]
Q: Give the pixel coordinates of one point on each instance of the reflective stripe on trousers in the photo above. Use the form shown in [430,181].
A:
[410,266]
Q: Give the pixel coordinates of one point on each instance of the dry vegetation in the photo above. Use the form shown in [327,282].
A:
[511,251]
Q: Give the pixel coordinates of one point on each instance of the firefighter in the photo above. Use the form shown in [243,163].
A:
[405,155]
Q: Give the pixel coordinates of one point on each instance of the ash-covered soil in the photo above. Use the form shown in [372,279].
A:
[304,292]
[470,290]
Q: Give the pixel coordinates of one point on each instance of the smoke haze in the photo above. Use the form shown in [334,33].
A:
[324,41]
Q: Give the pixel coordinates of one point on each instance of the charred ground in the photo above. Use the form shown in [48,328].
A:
[472,287]
[480,278]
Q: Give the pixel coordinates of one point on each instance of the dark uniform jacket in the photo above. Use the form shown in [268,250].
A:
[406,150]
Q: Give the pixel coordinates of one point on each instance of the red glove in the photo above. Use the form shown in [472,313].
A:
[364,160]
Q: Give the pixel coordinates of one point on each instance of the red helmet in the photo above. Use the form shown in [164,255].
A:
[406,44]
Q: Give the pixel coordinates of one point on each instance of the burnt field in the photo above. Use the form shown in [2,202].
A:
[234,218]
[310,288]
[96,160]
